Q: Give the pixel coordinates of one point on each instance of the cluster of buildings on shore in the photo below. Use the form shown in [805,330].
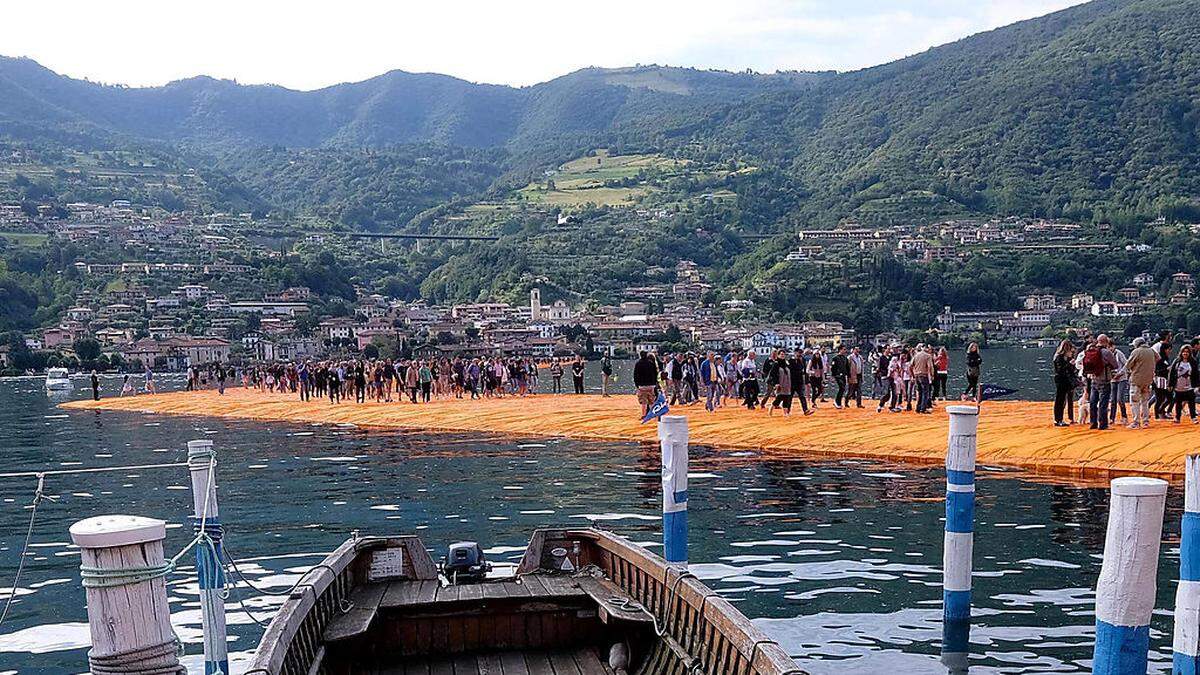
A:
[952,240]
[159,329]
[177,295]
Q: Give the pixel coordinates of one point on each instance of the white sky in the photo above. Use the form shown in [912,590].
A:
[307,45]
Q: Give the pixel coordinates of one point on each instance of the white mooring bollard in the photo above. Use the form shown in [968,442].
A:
[1128,576]
[209,572]
[124,578]
[959,542]
[673,435]
[1187,596]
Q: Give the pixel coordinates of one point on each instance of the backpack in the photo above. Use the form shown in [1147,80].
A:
[1093,362]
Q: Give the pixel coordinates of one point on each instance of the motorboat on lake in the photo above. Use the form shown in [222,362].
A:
[582,602]
[58,379]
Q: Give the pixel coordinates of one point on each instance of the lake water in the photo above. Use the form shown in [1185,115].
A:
[838,561]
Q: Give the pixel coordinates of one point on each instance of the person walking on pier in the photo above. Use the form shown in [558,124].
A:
[922,370]
[941,376]
[1119,389]
[748,369]
[782,388]
[577,369]
[1184,378]
[796,374]
[840,369]
[711,376]
[556,375]
[816,377]
[1099,363]
[645,379]
[856,378]
[1163,397]
[974,366]
[1064,382]
[412,380]
[1140,366]
[606,373]
[95,386]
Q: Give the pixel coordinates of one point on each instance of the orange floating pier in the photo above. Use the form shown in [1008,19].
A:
[1011,433]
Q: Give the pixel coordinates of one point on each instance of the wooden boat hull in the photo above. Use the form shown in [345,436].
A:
[582,598]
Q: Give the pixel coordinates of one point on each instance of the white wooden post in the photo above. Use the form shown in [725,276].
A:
[673,435]
[124,578]
[210,574]
[959,542]
[1187,595]
[1128,576]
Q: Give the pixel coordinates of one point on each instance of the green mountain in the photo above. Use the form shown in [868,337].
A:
[394,108]
[1088,112]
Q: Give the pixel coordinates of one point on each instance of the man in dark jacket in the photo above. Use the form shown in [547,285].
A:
[645,378]
[840,369]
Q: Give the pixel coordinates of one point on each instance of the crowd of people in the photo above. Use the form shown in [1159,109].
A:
[900,378]
[417,380]
[1095,382]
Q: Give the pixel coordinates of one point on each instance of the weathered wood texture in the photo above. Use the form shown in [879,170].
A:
[558,662]
[131,616]
[707,631]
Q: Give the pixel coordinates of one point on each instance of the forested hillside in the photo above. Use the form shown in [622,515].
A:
[1089,114]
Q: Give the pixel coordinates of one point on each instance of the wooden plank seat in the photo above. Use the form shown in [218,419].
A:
[364,605]
[583,661]
[614,602]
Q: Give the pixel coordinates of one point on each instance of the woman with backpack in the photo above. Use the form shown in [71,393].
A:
[974,364]
[1064,382]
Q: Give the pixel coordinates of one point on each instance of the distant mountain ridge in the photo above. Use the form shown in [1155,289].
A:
[1092,112]
[394,108]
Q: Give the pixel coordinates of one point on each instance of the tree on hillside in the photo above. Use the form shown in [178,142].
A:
[87,349]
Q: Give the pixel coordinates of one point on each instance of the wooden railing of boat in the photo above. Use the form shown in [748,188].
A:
[697,631]
[294,641]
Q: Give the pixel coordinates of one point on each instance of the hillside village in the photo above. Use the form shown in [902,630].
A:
[187,289]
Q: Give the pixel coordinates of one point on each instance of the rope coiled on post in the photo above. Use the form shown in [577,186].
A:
[140,661]
[99,577]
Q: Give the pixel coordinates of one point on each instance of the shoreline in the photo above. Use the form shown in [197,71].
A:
[1014,434]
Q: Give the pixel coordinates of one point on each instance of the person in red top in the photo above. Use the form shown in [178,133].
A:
[941,375]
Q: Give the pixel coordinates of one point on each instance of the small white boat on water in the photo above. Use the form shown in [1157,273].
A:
[57,379]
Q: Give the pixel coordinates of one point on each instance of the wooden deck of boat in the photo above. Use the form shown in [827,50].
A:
[368,599]
[528,662]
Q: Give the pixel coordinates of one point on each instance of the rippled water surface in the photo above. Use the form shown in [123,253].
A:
[838,561]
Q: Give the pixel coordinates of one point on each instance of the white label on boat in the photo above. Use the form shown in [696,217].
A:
[386,564]
[567,566]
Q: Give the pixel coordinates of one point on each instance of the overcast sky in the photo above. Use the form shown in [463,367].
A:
[307,45]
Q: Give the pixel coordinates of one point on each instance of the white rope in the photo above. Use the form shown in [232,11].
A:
[95,469]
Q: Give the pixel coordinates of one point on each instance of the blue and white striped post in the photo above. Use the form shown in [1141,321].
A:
[209,572]
[1187,596]
[1128,576]
[960,536]
[673,435]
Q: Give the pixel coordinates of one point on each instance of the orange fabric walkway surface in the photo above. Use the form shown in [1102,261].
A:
[1015,434]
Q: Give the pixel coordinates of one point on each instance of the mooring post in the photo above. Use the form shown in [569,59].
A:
[124,579]
[210,574]
[673,435]
[1128,576]
[959,543]
[1187,595]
